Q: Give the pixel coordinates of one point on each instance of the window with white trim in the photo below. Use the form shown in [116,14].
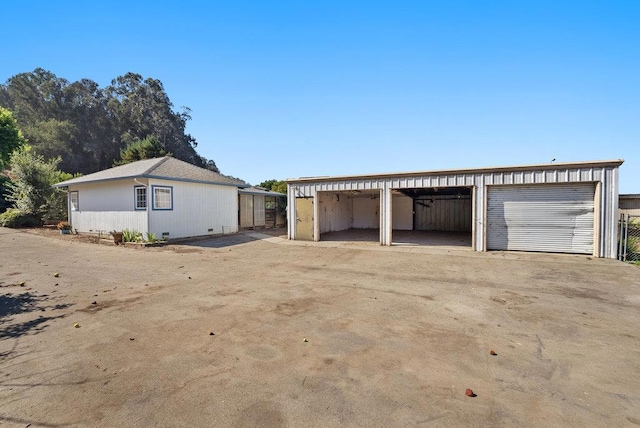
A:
[162,198]
[141,197]
[73,201]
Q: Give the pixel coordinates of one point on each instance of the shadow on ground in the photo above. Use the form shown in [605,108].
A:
[217,242]
[12,305]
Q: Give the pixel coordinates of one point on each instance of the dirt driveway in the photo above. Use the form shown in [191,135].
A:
[211,334]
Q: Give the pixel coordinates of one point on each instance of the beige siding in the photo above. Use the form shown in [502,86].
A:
[246,210]
[198,209]
[258,210]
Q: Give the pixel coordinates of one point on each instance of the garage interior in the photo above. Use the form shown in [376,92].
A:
[420,216]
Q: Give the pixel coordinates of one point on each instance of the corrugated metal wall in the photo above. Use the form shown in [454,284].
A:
[606,175]
[629,206]
[556,218]
[443,213]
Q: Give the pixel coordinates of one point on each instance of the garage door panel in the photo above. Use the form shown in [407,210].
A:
[547,218]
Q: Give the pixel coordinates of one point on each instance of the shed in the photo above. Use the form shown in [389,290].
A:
[259,207]
[629,204]
[564,207]
[164,196]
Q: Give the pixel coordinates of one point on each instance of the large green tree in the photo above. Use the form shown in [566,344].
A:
[148,148]
[88,126]
[11,137]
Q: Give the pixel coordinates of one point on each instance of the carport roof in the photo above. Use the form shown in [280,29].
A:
[535,167]
[166,168]
[261,191]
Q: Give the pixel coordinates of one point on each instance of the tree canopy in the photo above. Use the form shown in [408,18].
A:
[148,148]
[279,186]
[89,127]
[10,137]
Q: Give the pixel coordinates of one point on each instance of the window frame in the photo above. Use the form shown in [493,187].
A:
[154,206]
[135,198]
[75,207]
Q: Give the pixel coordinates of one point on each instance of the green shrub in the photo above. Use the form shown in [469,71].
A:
[131,236]
[16,218]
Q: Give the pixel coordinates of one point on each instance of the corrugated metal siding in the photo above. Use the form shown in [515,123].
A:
[335,213]
[246,210]
[629,206]
[553,218]
[258,210]
[366,213]
[606,175]
[443,214]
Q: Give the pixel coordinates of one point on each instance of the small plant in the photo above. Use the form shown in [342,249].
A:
[151,237]
[63,225]
[131,236]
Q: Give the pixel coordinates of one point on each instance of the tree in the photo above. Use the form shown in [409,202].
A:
[148,148]
[31,188]
[11,137]
[89,126]
[279,186]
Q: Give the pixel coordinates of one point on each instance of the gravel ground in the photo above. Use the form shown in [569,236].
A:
[254,330]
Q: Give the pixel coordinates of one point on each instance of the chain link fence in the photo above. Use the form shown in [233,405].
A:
[629,238]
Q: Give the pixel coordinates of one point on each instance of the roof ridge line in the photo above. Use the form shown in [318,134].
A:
[155,165]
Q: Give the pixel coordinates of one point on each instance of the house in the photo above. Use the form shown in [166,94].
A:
[164,196]
[557,207]
[259,207]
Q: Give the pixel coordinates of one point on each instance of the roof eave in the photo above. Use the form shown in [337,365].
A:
[538,167]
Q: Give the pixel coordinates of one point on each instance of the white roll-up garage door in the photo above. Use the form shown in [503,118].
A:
[556,218]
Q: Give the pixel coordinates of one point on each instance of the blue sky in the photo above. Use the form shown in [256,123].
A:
[302,88]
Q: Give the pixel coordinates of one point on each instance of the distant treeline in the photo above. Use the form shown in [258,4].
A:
[88,126]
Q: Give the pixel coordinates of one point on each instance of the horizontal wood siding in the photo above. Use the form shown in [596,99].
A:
[198,209]
[106,221]
[109,196]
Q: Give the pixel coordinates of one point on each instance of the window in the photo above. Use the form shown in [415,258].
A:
[162,198]
[73,200]
[141,197]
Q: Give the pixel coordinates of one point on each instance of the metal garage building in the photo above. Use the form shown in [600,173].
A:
[565,208]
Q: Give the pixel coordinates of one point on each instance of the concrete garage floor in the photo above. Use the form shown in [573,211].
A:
[394,336]
[449,240]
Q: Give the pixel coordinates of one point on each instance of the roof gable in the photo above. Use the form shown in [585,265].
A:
[165,167]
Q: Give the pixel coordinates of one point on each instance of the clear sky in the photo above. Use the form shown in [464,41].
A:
[301,88]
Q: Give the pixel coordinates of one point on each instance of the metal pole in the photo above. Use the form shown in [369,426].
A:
[620,235]
[626,235]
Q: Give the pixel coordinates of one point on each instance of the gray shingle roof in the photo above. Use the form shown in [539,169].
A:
[166,168]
